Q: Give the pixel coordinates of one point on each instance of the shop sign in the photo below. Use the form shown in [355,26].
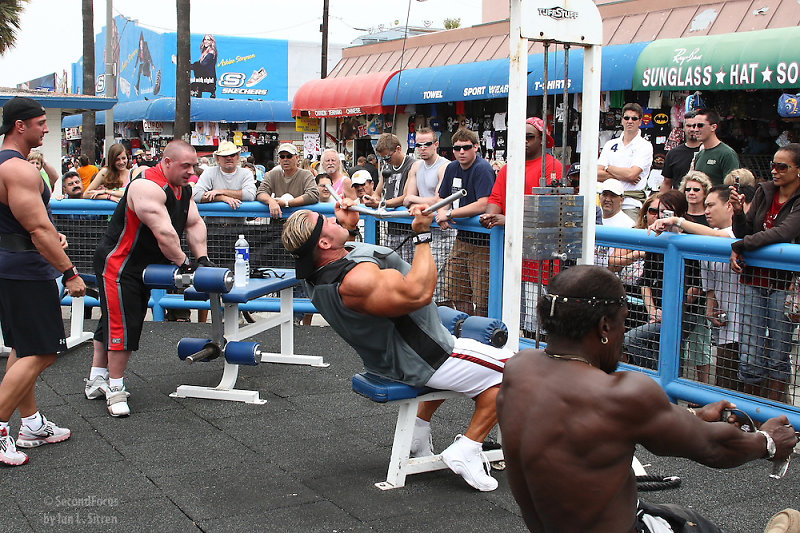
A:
[72,134]
[746,60]
[340,112]
[306,124]
[152,126]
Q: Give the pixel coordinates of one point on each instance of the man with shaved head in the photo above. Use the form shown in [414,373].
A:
[571,422]
[146,228]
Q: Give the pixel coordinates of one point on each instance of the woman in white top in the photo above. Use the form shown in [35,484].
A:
[110,182]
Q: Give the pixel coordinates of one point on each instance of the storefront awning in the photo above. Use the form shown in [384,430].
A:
[485,80]
[338,97]
[450,83]
[616,69]
[765,59]
[202,110]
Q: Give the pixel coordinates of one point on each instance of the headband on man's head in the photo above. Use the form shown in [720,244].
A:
[304,254]
[593,301]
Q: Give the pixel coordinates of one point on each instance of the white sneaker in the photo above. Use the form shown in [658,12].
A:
[49,433]
[471,464]
[96,387]
[256,77]
[117,401]
[8,451]
[421,442]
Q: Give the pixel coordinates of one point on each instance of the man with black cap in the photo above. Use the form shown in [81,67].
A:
[287,185]
[383,308]
[31,258]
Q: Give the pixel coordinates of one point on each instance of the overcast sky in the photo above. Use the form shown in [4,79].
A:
[50,36]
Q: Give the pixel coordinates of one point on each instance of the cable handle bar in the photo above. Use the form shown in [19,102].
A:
[382,213]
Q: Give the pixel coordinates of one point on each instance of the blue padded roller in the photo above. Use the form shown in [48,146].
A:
[208,279]
[190,345]
[160,276]
[452,319]
[242,353]
[491,331]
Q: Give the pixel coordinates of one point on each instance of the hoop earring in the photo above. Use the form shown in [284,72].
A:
[604,340]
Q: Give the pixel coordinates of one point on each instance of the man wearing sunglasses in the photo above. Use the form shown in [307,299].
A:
[628,159]
[228,181]
[287,185]
[715,158]
[423,183]
[466,282]
[679,159]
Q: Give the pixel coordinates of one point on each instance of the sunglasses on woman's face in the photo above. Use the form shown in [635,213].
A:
[652,210]
[694,189]
[780,167]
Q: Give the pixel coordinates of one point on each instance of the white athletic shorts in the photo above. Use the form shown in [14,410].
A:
[472,368]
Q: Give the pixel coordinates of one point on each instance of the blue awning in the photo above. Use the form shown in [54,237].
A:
[489,79]
[449,83]
[202,110]
[616,69]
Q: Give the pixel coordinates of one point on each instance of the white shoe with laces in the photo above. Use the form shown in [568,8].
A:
[49,433]
[117,401]
[8,451]
[470,463]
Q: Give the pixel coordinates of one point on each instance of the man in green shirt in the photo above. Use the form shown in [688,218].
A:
[715,158]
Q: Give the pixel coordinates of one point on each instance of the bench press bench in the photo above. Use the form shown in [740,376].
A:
[408,398]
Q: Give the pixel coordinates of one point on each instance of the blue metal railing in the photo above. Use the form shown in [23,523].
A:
[675,248]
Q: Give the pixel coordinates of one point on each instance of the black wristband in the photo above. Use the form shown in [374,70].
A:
[70,273]
[421,238]
[354,232]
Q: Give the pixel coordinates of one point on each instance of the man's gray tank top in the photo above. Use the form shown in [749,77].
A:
[407,348]
[427,177]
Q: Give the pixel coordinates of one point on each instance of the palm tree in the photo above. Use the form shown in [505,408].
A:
[10,11]
[87,133]
[182,101]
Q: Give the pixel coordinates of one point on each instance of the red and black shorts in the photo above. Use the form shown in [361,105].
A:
[30,314]
[123,307]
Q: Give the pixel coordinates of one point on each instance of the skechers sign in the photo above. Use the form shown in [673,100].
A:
[747,60]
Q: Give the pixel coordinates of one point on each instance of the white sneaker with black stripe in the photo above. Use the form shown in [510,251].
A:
[117,401]
[9,455]
[49,433]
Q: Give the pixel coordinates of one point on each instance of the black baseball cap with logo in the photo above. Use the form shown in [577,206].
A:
[19,108]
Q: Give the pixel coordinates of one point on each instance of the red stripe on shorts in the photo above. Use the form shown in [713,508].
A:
[478,361]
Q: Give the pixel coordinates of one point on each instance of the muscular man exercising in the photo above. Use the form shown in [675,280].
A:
[382,307]
[570,422]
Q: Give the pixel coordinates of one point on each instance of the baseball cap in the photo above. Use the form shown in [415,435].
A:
[227,148]
[574,168]
[361,177]
[288,148]
[19,108]
[612,185]
[537,123]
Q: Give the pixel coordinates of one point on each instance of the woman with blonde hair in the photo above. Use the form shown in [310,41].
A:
[740,177]
[695,185]
[111,180]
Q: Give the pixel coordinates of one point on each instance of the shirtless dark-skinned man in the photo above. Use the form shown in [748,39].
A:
[570,422]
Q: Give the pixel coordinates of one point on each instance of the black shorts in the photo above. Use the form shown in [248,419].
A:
[30,314]
[123,307]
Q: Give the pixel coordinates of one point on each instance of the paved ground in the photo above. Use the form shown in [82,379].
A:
[304,462]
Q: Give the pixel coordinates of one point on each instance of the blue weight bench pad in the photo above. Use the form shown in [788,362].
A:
[382,390]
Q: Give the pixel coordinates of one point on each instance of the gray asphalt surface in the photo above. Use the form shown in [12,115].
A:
[305,461]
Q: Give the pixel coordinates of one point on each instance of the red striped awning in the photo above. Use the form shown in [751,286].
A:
[341,97]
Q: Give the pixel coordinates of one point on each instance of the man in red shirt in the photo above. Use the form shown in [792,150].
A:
[496,207]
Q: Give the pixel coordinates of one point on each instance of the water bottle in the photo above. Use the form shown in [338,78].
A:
[241,268]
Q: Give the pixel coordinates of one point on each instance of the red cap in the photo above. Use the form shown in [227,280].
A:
[537,123]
